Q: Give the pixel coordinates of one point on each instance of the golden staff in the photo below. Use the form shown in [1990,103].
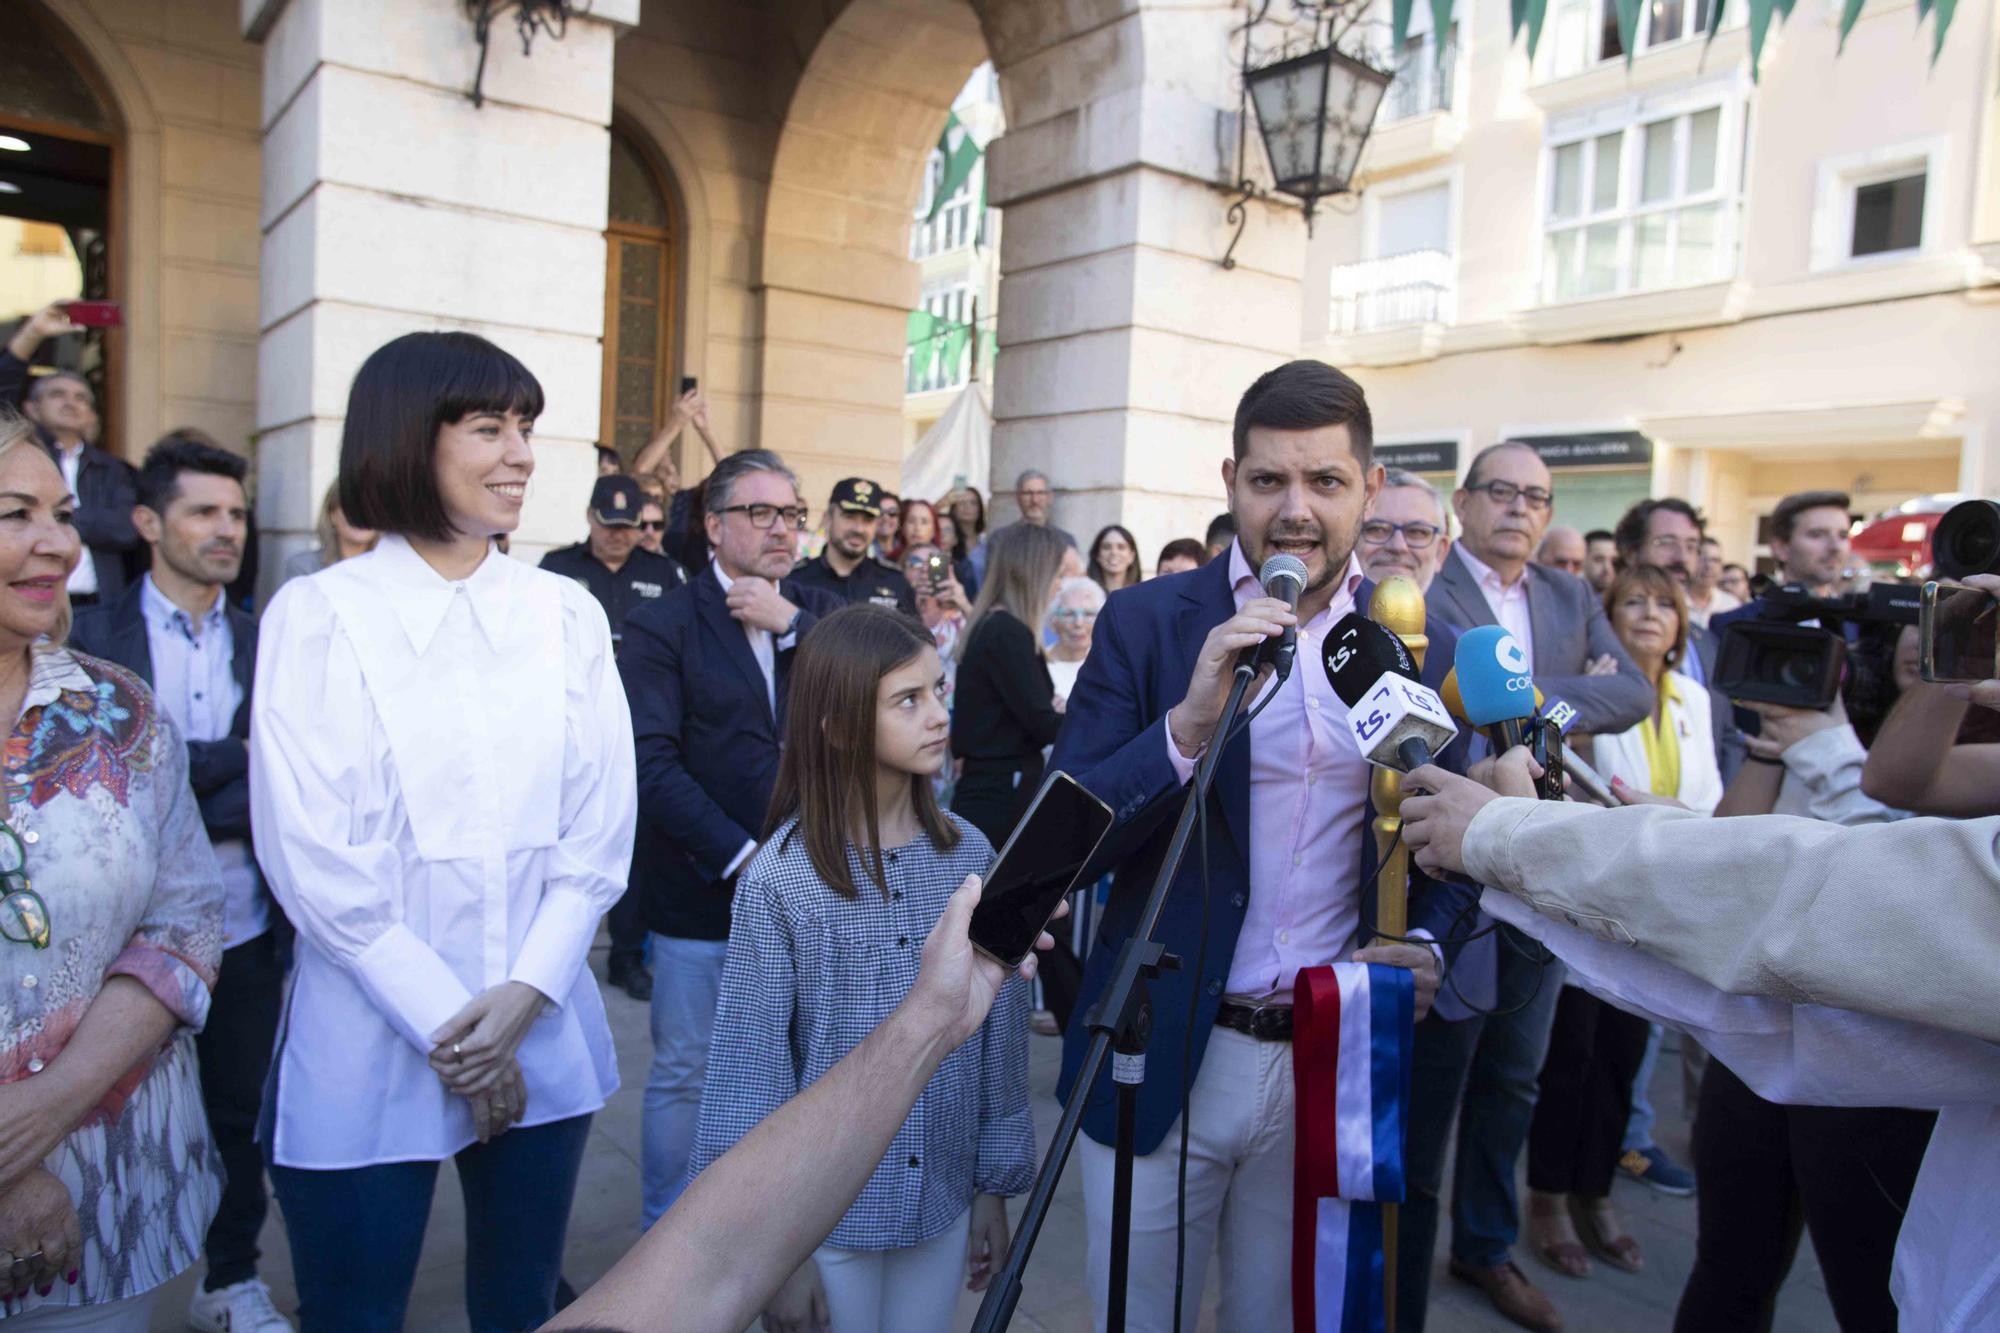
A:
[1398,606]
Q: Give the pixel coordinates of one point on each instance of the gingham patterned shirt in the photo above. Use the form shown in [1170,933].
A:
[808,975]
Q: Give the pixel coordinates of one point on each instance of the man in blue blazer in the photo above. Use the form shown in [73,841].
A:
[705,670]
[176,629]
[1290,857]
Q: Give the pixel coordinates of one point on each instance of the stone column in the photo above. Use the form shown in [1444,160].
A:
[1124,344]
[392,204]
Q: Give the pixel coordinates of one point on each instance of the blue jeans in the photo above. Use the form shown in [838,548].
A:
[687,977]
[1483,1070]
[356,1233]
[1639,1125]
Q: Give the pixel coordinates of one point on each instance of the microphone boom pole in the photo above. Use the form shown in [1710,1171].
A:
[1398,605]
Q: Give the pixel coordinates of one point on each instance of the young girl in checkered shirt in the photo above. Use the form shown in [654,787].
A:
[830,914]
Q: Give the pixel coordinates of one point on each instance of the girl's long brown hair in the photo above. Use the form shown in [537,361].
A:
[826,773]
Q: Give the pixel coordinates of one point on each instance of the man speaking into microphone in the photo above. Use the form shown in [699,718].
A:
[1290,864]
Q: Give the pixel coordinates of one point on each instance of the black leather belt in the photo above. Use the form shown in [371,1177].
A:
[1268,1022]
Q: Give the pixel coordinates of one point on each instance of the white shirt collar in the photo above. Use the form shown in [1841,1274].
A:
[1241,574]
[420,596]
[1485,573]
[722,575]
[162,611]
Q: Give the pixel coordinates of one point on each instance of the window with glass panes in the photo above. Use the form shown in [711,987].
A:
[1642,207]
[1582,33]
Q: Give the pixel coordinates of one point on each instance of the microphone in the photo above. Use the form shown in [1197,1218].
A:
[1283,577]
[1397,721]
[1494,686]
[1557,718]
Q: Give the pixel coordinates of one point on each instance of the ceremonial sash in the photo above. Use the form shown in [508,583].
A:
[1352,1025]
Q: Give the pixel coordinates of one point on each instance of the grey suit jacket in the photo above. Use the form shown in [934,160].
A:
[1570,629]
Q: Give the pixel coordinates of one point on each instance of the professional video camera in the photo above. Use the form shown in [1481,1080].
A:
[1960,628]
[1780,659]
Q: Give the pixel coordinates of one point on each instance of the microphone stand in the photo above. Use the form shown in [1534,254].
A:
[1123,1020]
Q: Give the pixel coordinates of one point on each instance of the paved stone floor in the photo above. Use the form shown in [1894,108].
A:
[1055,1300]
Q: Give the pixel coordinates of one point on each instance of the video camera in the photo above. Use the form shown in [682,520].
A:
[1960,627]
[1780,659]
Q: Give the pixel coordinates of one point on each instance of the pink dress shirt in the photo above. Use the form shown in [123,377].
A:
[1509,602]
[1308,796]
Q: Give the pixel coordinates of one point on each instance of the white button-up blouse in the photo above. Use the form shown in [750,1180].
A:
[443,790]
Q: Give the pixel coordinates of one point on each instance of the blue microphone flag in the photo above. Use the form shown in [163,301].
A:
[1494,683]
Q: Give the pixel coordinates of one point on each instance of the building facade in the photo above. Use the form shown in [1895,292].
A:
[1673,278]
[723,190]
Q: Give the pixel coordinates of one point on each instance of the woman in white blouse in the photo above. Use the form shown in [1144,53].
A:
[1595,1048]
[443,791]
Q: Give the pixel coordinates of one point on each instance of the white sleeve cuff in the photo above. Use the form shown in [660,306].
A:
[556,943]
[748,849]
[1183,766]
[410,984]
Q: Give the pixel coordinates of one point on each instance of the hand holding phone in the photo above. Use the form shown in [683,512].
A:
[1959,633]
[95,314]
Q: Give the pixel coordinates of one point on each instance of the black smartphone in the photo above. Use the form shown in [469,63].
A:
[934,565]
[687,384]
[1959,633]
[1043,857]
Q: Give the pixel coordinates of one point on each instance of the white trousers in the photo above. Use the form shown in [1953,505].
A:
[1239,1197]
[911,1290]
[131,1315]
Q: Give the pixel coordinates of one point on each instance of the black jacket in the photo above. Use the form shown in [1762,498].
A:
[219,771]
[105,494]
[707,745]
[1004,704]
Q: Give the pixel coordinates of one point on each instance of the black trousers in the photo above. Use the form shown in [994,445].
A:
[1595,1049]
[627,920]
[1767,1171]
[235,1053]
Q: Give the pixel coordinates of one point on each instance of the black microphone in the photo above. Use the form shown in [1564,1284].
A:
[1283,577]
[1397,721]
[1552,723]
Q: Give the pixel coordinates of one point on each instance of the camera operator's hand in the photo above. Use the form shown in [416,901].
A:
[1785,727]
[1985,693]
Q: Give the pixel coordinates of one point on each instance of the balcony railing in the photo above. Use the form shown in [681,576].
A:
[1412,288]
[1423,79]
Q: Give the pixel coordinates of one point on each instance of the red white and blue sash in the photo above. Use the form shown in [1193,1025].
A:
[1352,1025]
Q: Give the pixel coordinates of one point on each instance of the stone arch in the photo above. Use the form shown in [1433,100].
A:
[135,215]
[876,81]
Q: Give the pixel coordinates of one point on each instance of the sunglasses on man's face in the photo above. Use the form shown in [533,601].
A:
[646,525]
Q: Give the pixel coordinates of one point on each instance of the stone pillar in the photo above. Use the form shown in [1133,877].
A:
[392,204]
[1124,345]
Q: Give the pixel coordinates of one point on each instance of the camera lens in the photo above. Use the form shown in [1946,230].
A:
[1967,540]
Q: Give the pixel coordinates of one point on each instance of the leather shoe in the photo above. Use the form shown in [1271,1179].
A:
[1512,1294]
[632,978]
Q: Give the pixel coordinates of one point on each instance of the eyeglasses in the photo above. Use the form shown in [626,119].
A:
[24,917]
[1666,544]
[652,527]
[1075,613]
[1503,493]
[1416,536]
[765,516]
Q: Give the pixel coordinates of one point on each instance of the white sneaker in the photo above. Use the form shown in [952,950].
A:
[243,1308]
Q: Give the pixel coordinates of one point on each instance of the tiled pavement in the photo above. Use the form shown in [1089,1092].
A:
[1055,1300]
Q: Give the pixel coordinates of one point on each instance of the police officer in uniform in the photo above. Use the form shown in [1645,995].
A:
[845,568]
[621,575]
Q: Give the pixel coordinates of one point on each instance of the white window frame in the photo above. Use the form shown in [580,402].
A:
[1628,117]
[1733,15]
[1841,177]
[1452,177]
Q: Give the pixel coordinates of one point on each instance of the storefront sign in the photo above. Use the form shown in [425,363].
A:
[1609,448]
[1439,456]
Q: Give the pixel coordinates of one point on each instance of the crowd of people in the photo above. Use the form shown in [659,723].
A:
[306,892]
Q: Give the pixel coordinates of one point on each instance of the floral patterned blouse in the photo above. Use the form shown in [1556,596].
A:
[97,788]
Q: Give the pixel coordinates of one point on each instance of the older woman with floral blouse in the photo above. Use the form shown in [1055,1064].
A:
[111,913]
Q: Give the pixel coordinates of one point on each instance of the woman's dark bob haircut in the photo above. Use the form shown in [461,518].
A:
[402,394]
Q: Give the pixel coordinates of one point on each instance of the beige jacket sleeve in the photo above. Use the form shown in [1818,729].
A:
[1899,919]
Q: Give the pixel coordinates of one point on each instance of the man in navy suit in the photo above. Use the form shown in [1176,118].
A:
[705,671]
[177,630]
[1291,860]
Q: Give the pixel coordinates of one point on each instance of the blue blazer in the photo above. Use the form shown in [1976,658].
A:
[1114,742]
[706,738]
[219,771]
